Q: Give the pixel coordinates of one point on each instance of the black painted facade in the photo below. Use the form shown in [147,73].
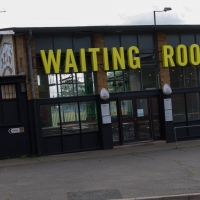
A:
[40,139]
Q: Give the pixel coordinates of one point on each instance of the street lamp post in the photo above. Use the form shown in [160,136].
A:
[165,10]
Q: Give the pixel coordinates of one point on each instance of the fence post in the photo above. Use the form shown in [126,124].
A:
[175,137]
[181,127]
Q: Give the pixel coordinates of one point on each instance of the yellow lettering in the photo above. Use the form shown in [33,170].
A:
[51,59]
[133,62]
[194,57]
[82,60]
[94,51]
[181,55]
[105,59]
[118,58]
[167,54]
[70,61]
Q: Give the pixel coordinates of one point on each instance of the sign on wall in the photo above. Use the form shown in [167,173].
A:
[16,130]
[180,56]
[7,67]
[168,110]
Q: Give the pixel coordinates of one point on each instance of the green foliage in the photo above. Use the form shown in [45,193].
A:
[23,156]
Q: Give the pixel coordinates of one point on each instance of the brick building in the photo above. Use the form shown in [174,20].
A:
[51,79]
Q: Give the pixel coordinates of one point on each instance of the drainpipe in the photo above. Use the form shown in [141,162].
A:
[31,77]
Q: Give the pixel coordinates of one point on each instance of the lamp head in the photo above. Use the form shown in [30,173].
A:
[167,9]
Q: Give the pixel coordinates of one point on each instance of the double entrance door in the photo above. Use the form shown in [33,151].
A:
[135,119]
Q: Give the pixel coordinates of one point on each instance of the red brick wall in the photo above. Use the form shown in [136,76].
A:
[98,42]
[164,76]
[22,61]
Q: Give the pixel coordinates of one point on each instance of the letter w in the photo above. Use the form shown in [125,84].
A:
[51,59]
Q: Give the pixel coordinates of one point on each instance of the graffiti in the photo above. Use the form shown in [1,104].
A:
[6,64]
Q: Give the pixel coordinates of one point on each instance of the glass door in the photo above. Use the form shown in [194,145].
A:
[127,120]
[143,119]
[115,122]
[135,120]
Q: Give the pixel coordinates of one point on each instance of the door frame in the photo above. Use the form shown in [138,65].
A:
[144,118]
[151,117]
[135,120]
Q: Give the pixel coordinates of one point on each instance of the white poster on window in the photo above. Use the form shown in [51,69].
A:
[105,109]
[168,104]
[7,67]
[168,115]
[106,119]
[140,112]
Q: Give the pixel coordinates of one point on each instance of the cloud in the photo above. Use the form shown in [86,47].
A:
[148,19]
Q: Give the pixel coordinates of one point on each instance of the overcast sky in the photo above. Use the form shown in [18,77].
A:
[42,13]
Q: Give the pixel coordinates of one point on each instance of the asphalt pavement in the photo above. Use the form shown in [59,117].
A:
[136,171]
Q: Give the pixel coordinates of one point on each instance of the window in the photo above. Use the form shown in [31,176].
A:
[88,113]
[191,76]
[176,77]
[184,76]
[69,118]
[132,80]
[8,91]
[114,120]
[144,78]
[186,107]
[65,85]
[79,117]
[50,120]
[193,106]
[149,77]
[115,81]
[178,107]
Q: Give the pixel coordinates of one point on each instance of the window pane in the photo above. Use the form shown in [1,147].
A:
[193,106]
[154,102]
[149,77]
[143,129]
[88,114]
[191,76]
[127,120]
[178,107]
[176,77]
[81,80]
[64,85]
[43,84]
[8,91]
[50,120]
[87,84]
[147,56]
[132,80]
[114,120]
[52,85]
[142,104]
[67,86]
[115,81]
[69,118]
[156,127]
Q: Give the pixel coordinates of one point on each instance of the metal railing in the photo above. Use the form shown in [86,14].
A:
[181,127]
